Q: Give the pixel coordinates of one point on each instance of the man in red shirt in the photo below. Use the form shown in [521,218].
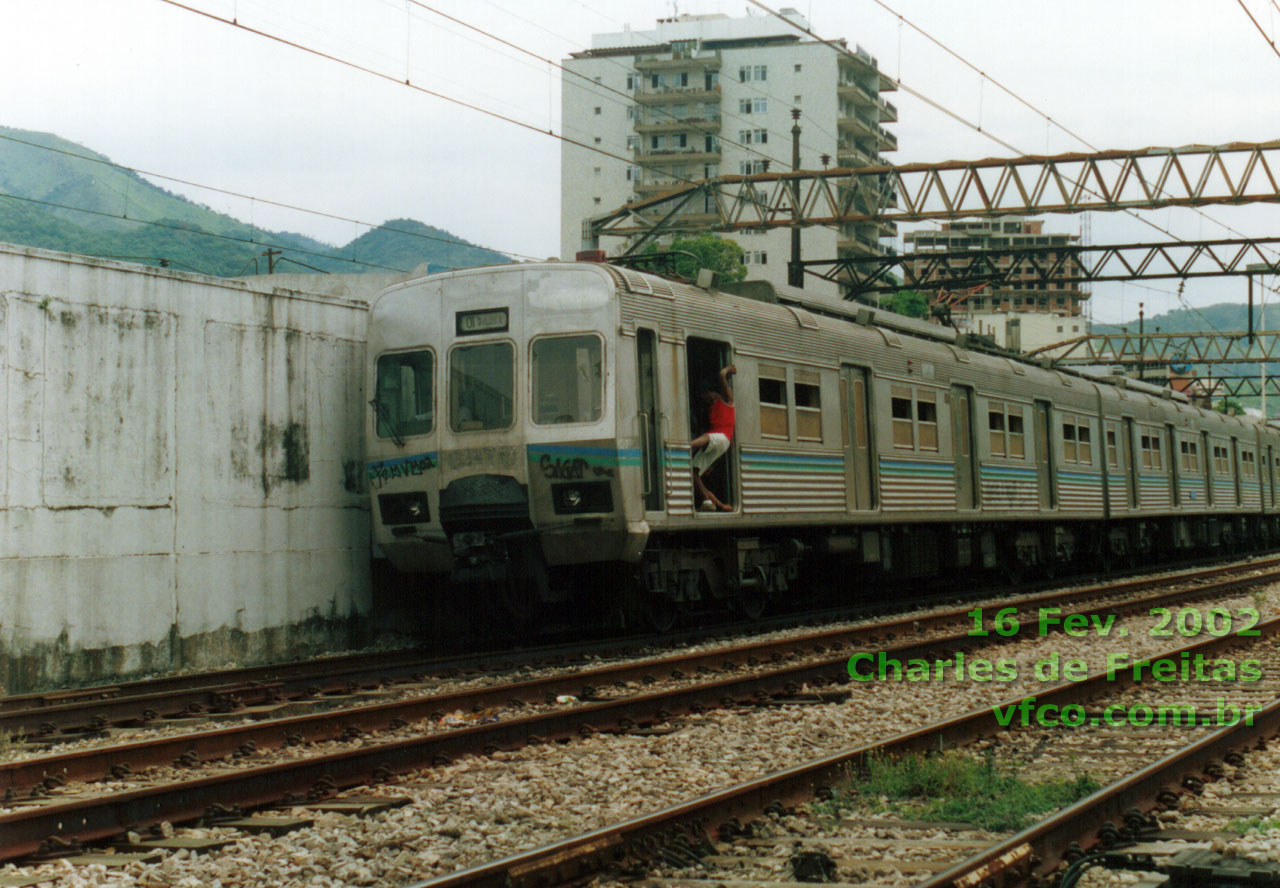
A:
[714,443]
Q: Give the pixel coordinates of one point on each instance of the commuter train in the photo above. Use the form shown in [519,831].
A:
[528,446]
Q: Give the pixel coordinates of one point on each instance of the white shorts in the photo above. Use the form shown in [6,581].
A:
[717,446]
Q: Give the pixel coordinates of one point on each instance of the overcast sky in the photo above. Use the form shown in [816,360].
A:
[167,90]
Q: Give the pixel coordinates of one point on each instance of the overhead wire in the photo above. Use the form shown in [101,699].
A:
[235,23]
[1270,42]
[629,100]
[137,171]
[202,232]
[979,129]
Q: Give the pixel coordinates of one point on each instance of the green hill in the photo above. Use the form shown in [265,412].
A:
[61,196]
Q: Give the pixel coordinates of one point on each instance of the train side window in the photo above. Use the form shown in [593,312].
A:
[1247,467]
[927,419]
[567,379]
[1069,442]
[996,429]
[1084,444]
[1190,456]
[808,406]
[1151,456]
[1017,439]
[404,400]
[1113,451]
[773,401]
[900,406]
[1221,460]
[481,387]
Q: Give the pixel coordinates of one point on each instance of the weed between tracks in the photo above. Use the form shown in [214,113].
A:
[954,786]
[1245,825]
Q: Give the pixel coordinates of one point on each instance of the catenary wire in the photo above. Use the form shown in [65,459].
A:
[1270,42]
[274,203]
[979,129]
[202,233]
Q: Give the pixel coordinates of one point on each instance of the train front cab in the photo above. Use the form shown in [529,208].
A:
[493,402]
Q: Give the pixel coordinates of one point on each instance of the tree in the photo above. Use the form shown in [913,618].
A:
[721,256]
[911,303]
[1230,406]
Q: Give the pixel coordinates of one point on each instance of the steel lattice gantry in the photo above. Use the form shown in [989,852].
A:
[1061,263]
[1147,178]
[1145,349]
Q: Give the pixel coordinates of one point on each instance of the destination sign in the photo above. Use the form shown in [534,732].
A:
[489,320]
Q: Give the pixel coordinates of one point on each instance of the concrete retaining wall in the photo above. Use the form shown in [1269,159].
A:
[180,479]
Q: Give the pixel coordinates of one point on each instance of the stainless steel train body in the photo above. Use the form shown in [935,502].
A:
[531,420]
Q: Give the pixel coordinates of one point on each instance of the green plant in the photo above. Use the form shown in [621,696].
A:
[955,786]
[1253,824]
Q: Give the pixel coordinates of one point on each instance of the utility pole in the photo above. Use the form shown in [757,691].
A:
[1142,344]
[271,260]
[795,271]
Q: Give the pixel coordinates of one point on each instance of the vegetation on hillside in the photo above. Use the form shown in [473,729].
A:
[66,197]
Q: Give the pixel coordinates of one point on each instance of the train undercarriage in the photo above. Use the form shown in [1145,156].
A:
[502,581]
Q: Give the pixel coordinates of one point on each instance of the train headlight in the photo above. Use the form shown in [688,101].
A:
[584,497]
[404,508]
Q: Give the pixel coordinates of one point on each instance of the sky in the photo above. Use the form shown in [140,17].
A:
[168,90]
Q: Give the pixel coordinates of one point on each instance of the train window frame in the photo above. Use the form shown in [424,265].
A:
[809,383]
[770,412]
[402,430]
[452,379]
[902,416]
[1112,444]
[1189,456]
[600,393]
[1006,430]
[1221,459]
[927,420]
[1152,452]
[1248,465]
[1077,440]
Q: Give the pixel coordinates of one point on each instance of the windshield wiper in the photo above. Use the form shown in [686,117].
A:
[383,414]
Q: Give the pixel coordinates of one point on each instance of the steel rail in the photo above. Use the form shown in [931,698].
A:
[44,773]
[640,838]
[22,831]
[51,713]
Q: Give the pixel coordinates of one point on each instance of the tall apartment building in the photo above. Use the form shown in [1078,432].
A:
[704,95]
[1021,313]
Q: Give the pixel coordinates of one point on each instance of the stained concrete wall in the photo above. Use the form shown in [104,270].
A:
[180,479]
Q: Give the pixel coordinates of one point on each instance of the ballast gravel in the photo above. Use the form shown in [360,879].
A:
[480,809]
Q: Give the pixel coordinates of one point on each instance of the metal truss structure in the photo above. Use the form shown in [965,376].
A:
[1060,264]
[1146,178]
[1243,386]
[1146,349]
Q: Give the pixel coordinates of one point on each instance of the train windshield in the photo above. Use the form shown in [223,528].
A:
[567,383]
[404,397]
[481,387]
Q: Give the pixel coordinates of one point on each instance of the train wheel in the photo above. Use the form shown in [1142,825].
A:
[659,612]
[753,604]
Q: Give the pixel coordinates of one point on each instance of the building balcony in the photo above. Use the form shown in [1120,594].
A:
[887,83]
[652,156]
[850,155]
[703,61]
[679,124]
[861,245]
[659,186]
[651,96]
[859,96]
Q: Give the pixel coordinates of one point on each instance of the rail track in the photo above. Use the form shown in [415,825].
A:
[54,715]
[68,805]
